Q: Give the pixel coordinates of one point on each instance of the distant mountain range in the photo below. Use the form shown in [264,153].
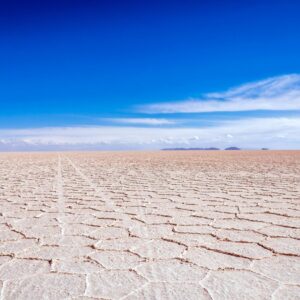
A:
[232,148]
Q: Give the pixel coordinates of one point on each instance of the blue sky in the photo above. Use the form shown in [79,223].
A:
[137,75]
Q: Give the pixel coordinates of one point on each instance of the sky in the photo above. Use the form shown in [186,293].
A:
[110,75]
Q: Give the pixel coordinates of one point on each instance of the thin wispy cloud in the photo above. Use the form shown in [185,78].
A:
[275,133]
[140,121]
[278,93]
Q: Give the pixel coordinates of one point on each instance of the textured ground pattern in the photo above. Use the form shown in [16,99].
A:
[161,225]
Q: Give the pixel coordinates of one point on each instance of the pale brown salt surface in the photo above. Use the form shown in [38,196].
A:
[150,225]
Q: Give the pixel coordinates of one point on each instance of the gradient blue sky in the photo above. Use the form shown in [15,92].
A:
[136,65]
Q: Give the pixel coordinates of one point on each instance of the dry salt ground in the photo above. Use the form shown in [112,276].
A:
[150,225]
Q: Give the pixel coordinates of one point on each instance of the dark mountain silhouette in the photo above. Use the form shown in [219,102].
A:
[232,148]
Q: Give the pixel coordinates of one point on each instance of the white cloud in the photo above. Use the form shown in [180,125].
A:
[140,121]
[277,93]
[276,133]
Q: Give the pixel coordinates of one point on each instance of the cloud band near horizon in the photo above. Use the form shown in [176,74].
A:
[262,132]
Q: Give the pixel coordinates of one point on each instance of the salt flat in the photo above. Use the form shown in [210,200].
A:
[150,225]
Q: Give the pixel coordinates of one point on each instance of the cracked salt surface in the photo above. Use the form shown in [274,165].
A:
[178,225]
